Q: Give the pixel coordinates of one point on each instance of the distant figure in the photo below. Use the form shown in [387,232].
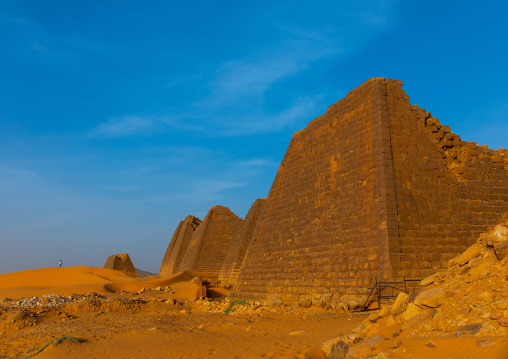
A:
[60,262]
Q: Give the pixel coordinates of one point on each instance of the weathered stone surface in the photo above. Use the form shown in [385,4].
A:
[412,311]
[305,301]
[431,298]
[178,246]
[364,344]
[400,301]
[418,190]
[463,258]
[211,241]
[500,233]
[234,259]
[470,328]
[336,348]
[122,263]
[430,344]
[431,279]
[501,249]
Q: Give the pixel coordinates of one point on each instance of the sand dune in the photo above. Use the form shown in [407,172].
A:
[81,280]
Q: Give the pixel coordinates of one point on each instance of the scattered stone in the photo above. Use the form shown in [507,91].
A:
[374,317]
[457,334]
[299,332]
[503,322]
[399,302]
[412,311]
[482,343]
[364,344]
[431,298]
[305,301]
[485,316]
[429,280]
[430,344]
[471,328]
[336,348]
[472,252]
[397,333]
[396,343]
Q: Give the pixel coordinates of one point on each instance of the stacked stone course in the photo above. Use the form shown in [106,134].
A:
[211,241]
[374,188]
[236,254]
[178,246]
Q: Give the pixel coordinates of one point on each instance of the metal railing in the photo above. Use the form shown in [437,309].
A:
[383,290]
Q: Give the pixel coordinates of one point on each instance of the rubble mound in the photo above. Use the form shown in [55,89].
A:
[469,299]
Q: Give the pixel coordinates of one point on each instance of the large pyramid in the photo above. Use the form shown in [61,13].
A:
[178,246]
[374,188]
[236,254]
[211,241]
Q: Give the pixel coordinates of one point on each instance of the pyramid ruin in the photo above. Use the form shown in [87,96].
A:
[201,246]
[178,246]
[374,188]
[236,254]
[122,263]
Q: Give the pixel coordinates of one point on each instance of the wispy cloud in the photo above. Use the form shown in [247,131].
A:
[126,126]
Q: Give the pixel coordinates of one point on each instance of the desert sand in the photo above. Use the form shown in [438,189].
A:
[117,316]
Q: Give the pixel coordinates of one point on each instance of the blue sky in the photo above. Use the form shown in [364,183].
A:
[119,118]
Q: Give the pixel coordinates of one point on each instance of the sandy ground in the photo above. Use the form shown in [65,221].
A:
[170,323]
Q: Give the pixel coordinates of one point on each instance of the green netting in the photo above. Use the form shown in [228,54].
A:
[54,342]
[233,303]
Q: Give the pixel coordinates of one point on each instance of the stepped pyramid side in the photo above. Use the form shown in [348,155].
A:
[448,191]
[122,263]
[178,245]
[211,241]
[324,228]
[374,188]
[236,254]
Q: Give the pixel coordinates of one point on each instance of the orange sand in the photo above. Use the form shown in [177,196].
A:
[118,325]
[80,280]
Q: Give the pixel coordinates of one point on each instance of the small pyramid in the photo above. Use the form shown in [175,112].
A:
[122,263]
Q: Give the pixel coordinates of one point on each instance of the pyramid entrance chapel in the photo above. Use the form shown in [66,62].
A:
[374,188]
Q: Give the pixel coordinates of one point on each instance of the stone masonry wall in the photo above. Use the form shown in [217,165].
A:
[178,245]
[448,190]
[236,254]
[325,226]
[211,241]
[374,188]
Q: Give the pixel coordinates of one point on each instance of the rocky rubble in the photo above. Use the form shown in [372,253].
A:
[50,300]
[470,298]
[334,301]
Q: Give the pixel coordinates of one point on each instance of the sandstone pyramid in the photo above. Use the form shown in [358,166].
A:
[211,241]
[374,188]
[178,246]
[236,254]
[122,263]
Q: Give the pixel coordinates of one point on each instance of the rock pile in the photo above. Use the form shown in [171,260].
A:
[50,300]
[470,298]
[334,301]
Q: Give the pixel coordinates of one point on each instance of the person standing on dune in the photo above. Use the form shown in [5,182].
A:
[60,262]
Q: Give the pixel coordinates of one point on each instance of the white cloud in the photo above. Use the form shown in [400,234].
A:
[126,126]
